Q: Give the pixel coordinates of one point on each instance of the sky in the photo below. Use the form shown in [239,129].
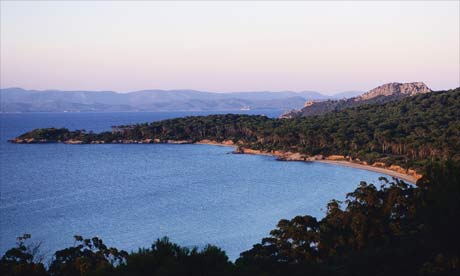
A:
[228,46]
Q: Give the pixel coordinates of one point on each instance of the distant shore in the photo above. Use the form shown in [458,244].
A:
[283,156]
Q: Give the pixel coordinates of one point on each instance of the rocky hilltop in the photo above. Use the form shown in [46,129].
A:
[379,95]
[395,88]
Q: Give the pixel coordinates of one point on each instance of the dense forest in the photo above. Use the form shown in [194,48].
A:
[391,229]
[409,132]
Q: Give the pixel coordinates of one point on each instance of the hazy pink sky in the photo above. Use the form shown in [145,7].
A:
[228,46]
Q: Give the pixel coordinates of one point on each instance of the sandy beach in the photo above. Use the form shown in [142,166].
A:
[293,157]
[405,177]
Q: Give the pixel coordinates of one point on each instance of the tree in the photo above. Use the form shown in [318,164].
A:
[88,256]
[24,259]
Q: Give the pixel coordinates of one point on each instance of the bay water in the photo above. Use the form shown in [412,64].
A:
[130,195]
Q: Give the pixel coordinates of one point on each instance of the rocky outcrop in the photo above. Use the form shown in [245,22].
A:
[179,142]
[31,141]
[379,95]
[394,89]
[293,113]
[73,142]
[337,158]
[212,142]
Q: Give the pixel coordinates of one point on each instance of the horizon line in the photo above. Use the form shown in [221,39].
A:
[181,89]
[206,91]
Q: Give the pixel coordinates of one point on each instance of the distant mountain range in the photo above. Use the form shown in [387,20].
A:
[21,100]
[379,95]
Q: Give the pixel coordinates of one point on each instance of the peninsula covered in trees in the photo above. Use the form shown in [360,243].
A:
[407,133]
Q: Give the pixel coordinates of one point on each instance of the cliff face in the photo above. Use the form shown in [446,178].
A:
[379,95]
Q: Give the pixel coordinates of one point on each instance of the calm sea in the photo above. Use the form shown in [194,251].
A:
[130,195]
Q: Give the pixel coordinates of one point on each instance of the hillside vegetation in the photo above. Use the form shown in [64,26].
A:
[382,94]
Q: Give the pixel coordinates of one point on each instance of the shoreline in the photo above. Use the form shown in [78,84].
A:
[287,156]
[408,175]
[405,177]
